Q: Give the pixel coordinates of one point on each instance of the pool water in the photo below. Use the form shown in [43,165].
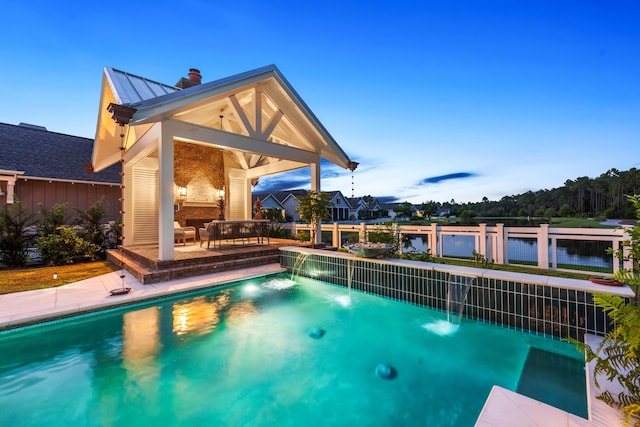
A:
[272,352]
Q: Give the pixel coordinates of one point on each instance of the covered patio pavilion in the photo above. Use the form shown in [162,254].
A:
[195,149]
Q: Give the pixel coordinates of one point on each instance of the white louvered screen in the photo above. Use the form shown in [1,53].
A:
[236,198]
[145,206]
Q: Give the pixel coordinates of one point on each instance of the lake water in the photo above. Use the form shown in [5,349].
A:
[568,252]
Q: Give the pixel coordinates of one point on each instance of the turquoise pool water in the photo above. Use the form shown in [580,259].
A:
[251,354]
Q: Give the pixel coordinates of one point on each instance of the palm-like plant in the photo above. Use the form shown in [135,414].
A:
[313,208]
[617,357]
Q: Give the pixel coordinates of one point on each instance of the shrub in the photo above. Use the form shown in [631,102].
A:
[303,235]
[280,232]
[385,234]
[273,214]
[313,208]
[52,219]
[419,256]
[479,260]
[15,239]
[65,247]
[91,222]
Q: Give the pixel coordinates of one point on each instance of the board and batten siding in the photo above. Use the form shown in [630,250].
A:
[36,193]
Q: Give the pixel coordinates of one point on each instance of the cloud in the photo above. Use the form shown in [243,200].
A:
[441,178]
[300,178]
[285,181]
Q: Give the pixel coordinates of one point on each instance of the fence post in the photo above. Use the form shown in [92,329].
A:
[437,245]
[432,239]
[502,256]
[362,235]
[543,246]
[397,231]
[628,264]
[294,232]
[554,252]
[335,235]
[482,247]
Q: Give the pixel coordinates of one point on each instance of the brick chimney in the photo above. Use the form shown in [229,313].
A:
[194,79]
[194,76]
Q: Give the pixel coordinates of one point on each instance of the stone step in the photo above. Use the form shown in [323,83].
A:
[147,274]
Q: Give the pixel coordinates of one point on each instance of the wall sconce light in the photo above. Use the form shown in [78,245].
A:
[182,191]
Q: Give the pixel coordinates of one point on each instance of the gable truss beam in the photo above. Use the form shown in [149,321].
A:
[256,131]
[195,133]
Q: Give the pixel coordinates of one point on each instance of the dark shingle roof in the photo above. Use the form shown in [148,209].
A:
[44,154]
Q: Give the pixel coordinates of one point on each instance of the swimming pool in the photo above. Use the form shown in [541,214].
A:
[274,352]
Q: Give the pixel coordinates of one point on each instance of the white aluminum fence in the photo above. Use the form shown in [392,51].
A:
[544,247]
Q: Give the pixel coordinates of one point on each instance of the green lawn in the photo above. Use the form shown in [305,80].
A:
[27,279]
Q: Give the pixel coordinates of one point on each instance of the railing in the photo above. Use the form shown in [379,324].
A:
[543,247]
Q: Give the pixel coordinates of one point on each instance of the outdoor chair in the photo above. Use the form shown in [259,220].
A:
[182,234]
[204,235]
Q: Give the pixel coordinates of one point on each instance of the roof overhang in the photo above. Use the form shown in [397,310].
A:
[258,104]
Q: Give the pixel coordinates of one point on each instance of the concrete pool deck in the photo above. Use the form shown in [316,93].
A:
[503,408]
[24,308]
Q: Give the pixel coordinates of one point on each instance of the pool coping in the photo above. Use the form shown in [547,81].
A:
[558,282]
[523,411]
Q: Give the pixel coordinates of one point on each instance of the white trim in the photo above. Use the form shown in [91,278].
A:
[10,172]
[72,181]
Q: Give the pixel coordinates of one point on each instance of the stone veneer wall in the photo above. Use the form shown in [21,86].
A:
[188,213]
[191,158]
[539,304]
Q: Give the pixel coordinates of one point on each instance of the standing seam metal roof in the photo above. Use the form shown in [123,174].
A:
[132,89]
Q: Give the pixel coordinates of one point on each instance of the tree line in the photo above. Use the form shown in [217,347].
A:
[601,197]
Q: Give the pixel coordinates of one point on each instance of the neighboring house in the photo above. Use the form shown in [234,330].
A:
[42,168]
[269,202]
[443,212]
[288,201]
[388,207]
[341,206]
[361,209]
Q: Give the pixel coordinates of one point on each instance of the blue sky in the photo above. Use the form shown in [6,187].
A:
[436,99]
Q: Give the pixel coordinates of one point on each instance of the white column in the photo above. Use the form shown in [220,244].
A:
[11,184]
[315,186]
[248,202]
[315,176]
[165,175]
[127,206]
